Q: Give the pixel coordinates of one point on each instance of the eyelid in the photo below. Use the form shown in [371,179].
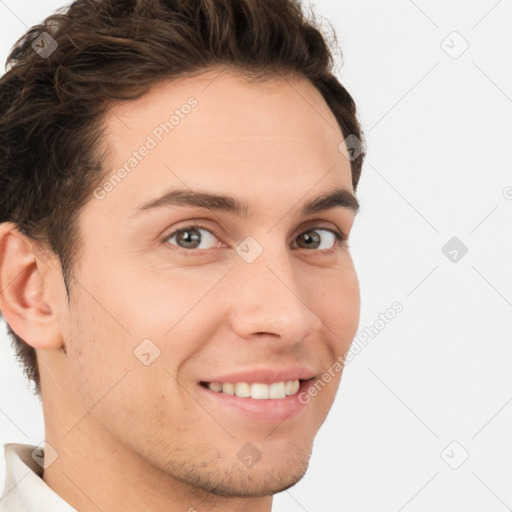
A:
[191,224]
[341,238]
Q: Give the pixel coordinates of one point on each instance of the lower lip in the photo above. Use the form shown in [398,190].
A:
[273,410]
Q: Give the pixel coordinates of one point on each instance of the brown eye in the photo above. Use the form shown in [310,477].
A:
[311,239]
[190,237]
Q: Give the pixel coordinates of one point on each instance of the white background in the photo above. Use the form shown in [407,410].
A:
[439,132]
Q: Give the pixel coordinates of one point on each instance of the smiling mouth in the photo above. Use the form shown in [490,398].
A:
[256,390]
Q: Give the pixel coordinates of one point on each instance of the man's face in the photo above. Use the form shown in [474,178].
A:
[267,297]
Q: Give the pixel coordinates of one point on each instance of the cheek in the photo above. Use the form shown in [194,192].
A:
[348,304]
[99,349]
[158,301]
[113,386]
[338,302]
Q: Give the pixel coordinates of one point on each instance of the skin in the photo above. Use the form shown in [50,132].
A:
[132,437]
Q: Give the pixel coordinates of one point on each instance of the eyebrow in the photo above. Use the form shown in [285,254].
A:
[336,198]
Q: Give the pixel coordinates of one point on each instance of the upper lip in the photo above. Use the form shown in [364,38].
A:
[265,375]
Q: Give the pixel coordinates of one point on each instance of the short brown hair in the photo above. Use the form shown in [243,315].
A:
[52,106]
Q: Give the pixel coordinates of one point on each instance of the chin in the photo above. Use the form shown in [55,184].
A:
[265,478]
[252,483]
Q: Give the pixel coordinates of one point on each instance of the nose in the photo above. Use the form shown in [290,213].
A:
[270,300]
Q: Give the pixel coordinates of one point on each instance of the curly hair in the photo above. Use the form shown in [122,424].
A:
[63,74]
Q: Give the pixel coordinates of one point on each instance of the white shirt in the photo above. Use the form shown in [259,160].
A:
[25,490]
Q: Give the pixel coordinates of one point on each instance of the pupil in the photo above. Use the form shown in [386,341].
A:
[189,236]
[311,239]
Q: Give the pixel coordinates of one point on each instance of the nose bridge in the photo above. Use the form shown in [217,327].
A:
[267,298]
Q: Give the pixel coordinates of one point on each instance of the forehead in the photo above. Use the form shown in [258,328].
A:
[218,130]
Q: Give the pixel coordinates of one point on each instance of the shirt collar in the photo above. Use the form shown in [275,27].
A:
[24,487]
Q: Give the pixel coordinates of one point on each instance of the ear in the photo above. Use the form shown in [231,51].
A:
[23,295]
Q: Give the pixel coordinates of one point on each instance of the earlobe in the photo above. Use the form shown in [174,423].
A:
[23,300]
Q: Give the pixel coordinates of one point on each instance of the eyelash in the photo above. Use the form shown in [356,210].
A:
[341,240]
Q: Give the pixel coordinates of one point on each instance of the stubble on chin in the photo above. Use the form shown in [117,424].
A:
[233,479]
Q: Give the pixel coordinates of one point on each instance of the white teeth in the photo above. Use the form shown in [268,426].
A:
[257,390]
[228,388]
[215,386]
[242,390]
[277,390]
